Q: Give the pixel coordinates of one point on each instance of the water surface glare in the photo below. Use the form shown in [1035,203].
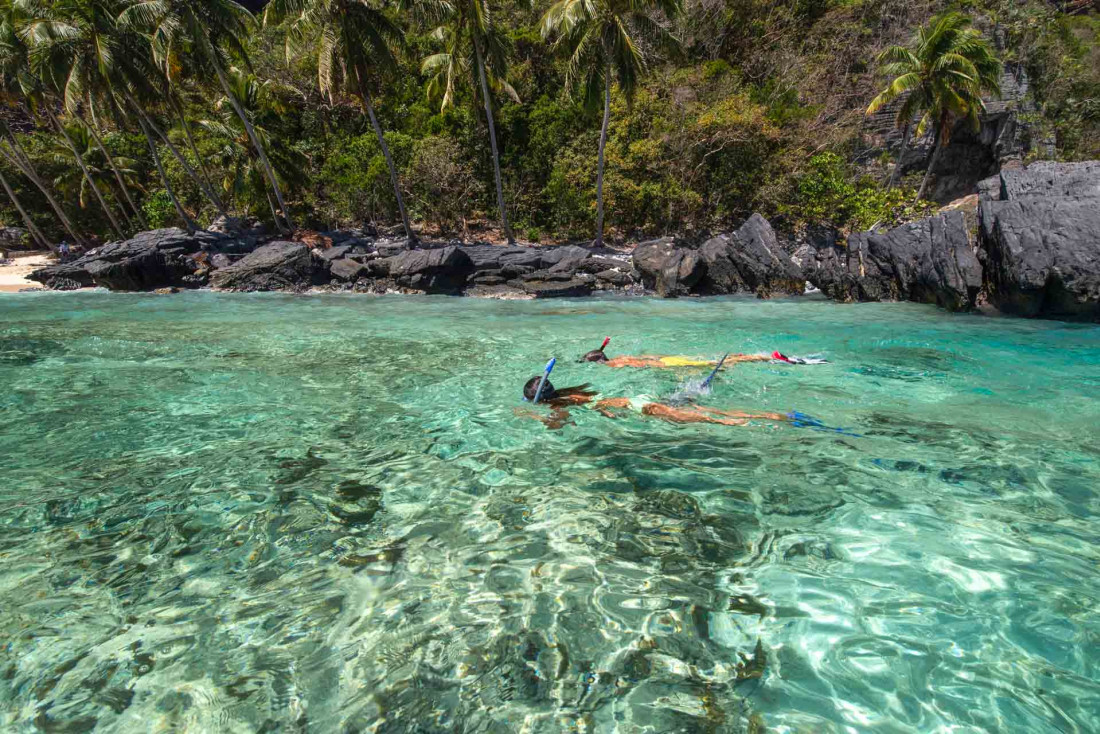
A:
[246,513]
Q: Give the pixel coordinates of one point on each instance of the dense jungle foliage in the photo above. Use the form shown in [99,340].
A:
[755,105]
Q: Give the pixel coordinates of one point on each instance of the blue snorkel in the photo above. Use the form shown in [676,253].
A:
[692,390]
[545,377]
[706,382]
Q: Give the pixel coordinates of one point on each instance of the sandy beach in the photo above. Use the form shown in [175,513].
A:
[13,275]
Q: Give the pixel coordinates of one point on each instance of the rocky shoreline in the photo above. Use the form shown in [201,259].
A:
[1035,252]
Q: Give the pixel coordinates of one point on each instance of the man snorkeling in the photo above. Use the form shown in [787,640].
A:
[649,361]
[561,400]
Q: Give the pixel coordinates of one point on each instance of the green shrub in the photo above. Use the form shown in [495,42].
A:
[828,192]
[355,179]
[442,183]
[159,210]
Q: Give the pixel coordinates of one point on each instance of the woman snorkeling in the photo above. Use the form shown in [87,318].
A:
[561,400]
[657,361]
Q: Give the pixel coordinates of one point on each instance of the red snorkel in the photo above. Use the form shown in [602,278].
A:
[606,341]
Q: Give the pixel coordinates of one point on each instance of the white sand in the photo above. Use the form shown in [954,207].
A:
[14,276]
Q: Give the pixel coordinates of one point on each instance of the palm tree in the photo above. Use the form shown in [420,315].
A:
[17,85]
[942,74]
[202,32]
[35,232]
[19,159]
[244,170]
[350,38]
[77,43]
[600,38]
[100,168]
[471,42]
[49,31]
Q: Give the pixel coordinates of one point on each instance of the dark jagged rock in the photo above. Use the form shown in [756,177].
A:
[565,259]
[1078,180]
[513,261]
[443,270]
[153,259]
[347,270]
[669,270]
[275,266]
[56,276]
[615,278]
[929,261]
[63,284]
[335,252]
[1039,230]
[573,288]
[749,261]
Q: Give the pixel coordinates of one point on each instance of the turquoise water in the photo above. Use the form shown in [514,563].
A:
[271,513]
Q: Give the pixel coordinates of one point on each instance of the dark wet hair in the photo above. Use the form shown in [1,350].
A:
[596,355]
[532,386]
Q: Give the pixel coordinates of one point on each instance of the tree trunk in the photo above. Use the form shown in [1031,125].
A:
[599,163]
[201,181]
[36,233]
[204,185]
[271,205]
[118,174]
[20,161]
[493,144]
[268,170]
[365,97]
[191,142]
[901,157]
[932,163]
[87,173]
[187,221]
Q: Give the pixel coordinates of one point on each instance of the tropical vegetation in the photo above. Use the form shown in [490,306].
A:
[573,119]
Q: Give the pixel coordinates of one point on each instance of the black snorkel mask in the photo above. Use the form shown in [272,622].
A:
[596,355]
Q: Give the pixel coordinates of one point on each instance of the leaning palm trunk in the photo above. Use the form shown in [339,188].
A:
[87,173]
[269,172]
[187,221]
[493,143]
[191,143]
[599,164]
[201,182]
[389,159]
[940,134]
[118,176]
[901,157]
[19,159]
[31,226]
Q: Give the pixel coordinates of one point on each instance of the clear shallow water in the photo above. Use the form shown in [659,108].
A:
[273,513]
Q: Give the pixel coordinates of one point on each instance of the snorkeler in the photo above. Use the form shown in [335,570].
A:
[651,361]
[561,400]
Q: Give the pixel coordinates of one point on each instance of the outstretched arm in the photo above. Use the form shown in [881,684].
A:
[558,418]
